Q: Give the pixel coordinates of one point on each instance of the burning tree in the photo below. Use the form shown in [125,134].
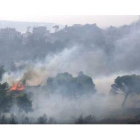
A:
[16,95]
[17,87]
[127,84]
[20,97]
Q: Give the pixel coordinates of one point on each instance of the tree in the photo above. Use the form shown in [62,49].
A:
[127,84]
[51,121]
[3,120]
[56,28]
[13,119]
[42,119]
[85,120]
[5,99]
[2,71]
[26,120]
[66,84]
[84,84]
[24,103]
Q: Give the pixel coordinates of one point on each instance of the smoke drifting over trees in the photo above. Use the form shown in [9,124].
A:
[65,84]
[105,49]
[67,75]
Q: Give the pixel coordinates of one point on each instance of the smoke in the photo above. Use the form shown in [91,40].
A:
[95,61]
[77,58]
[65,109]
[70,60]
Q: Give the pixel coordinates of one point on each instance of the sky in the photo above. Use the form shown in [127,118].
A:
[66,12]
[102,21]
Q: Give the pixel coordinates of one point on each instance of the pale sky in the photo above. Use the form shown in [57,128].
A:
[52,11]
[102,21]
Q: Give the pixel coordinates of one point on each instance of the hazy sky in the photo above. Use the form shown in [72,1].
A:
[40,11]
[101,21]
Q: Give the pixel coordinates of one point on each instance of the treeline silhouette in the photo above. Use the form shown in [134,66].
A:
[40,42]
[89,119]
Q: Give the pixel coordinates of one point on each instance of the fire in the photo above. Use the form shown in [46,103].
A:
[17,87]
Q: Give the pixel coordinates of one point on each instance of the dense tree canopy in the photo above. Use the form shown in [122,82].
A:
[127,84]
[24,103]
[64,83]
[5,100]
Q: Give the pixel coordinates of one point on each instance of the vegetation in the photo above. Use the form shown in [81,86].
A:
[2,71]
[86,120]
[65,84]
[127,84]
[5,99]
[24,103]
[107,56]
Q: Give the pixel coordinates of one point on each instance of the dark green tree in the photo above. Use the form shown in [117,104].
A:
[13,119]
[85,120]
[42,119]
[24,103]
[2,71]
[51,121]
[26,120]
[127,84]
[66,84]
[5,99]
[3,120]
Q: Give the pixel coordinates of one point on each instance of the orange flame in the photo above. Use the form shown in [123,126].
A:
[17,87]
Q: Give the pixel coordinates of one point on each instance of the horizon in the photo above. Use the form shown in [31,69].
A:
[101,21]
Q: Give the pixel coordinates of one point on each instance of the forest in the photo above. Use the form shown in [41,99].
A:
[80,74]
